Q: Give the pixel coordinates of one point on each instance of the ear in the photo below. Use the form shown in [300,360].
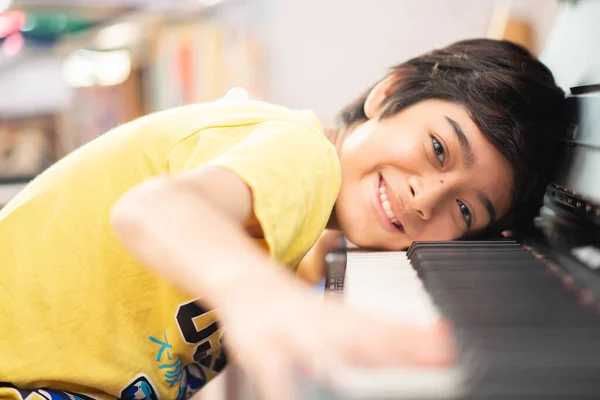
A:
[378,94]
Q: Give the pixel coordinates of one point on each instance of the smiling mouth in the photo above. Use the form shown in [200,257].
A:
[386,205]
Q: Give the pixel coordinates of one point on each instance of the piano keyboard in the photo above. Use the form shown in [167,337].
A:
[521,330]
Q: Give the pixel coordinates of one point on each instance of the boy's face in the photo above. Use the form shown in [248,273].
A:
[426,173]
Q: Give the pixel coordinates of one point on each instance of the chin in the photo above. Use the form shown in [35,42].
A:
[364,240]
[360,230]
[354,234]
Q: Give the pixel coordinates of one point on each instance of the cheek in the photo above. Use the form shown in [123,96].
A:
[406,151]
[355,215]
[440,228]
[498,185]
[504,195]
[371,143]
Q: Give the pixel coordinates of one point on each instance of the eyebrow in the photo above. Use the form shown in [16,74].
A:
[469,160]
[485,200]
[465,145]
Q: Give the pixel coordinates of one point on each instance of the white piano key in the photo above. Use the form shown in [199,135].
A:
[397,383]
[401,296]
[384,285]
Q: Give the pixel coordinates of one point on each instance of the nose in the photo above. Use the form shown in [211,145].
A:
[426,195]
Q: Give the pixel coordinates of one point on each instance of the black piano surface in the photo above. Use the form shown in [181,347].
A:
[526,312]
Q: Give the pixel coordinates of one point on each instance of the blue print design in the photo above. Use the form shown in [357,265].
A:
[139,389]
[163,346]
[56,395]
[173,372]
[193,379]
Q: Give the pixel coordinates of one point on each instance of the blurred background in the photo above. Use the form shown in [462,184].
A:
[72,69]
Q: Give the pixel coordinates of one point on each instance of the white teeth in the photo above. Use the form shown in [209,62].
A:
[387,207]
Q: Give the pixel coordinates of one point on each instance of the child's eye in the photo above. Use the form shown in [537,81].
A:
[438,150]
[464,210]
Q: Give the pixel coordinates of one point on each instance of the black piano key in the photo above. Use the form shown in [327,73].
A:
[504,317]
[445,254]
[494,278]
[476,259]
[467,267]
[466,244]
[518,328]
[521,332]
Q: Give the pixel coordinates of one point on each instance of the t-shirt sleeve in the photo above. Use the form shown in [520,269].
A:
[294,175]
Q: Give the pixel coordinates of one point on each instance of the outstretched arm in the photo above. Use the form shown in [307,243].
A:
[194,230]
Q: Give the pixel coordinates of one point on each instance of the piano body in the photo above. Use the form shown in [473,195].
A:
[525,313]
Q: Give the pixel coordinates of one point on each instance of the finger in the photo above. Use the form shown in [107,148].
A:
[433,345]
[436,345]
[317,368]
[274,377]
[388,344]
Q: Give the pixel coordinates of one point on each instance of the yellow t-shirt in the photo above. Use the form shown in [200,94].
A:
[79,315]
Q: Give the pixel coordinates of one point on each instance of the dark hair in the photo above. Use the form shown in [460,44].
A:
[510,95]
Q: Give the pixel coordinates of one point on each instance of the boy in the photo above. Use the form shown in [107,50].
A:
[453,143]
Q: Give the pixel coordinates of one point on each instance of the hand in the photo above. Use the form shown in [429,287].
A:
[273,329]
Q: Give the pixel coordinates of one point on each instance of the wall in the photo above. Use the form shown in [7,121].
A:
[320,53]
[572,46]
[323,53]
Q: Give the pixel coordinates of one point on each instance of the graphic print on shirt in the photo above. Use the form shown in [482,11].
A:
[171,367]
[206,357]
[140,388]
[21,393]
[58,395]
[192,380]
[47,394]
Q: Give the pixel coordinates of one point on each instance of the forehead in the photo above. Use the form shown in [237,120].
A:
[431,109]
[491,173]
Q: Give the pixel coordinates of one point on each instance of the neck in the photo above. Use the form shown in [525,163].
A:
[333,223]
[335,136]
